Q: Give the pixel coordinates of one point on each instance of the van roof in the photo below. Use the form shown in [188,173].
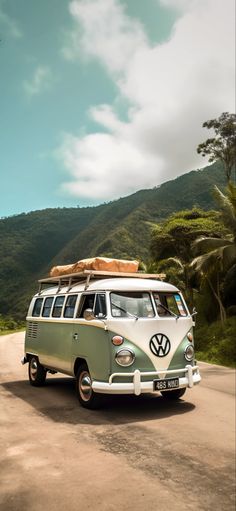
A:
[111,284]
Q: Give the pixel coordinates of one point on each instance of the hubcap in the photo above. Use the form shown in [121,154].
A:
[85,386]
[33,368]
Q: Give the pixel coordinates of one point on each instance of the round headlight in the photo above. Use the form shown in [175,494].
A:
[189,352]
[125,357]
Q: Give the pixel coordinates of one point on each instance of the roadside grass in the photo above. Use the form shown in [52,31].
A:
[10,326]
[6,332]
[216,343]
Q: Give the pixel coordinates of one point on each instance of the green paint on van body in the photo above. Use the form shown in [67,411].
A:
[92,345]
[179,361]
[141,362]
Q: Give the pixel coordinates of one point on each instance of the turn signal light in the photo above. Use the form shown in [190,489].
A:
[117,340]
[190,336]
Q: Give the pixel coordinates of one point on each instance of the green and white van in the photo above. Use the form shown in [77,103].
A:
[115,333]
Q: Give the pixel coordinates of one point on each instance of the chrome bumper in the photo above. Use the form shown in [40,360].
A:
[137,386]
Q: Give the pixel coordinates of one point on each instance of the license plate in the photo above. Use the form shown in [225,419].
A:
[167,384]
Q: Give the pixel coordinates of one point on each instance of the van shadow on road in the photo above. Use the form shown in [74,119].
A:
[57,401]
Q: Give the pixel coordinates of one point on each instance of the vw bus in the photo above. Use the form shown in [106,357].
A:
[115,334]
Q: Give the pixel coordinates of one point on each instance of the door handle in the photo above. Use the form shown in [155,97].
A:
[76,337]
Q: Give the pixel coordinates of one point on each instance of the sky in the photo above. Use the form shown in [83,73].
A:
[101,98]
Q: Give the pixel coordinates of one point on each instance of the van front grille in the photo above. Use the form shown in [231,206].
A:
[32,330]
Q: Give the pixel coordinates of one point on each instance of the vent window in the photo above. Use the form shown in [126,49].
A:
[100,309]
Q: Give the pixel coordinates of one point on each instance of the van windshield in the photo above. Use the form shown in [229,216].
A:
[169,304]
[127,304]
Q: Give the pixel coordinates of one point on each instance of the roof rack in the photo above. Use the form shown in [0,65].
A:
[72,279]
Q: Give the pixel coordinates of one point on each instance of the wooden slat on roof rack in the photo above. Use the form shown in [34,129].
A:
[99,274]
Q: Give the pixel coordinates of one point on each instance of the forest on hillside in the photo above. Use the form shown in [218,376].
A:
[30,244]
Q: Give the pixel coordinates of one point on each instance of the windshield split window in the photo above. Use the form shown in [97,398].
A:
[168,304]
[131,304]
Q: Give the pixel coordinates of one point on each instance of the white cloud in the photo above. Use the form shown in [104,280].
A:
[102,30]
[9,24]
[102,165]
[41,81]
[172,88]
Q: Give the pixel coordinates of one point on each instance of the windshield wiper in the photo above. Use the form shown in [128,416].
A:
[123,310]
[168,310]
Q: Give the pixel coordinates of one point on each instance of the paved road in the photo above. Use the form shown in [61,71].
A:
[139,454]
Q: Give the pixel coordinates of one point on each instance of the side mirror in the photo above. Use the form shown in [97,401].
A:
[194,313]
[88,314]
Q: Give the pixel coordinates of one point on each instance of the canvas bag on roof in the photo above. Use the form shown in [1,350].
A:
[97,264]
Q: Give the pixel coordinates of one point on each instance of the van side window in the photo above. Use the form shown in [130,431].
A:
[70,306]
[100,306]
[57,308]
[37,307]
[47,307]
[87,302]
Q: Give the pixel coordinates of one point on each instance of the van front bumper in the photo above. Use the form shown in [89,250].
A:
[137,386]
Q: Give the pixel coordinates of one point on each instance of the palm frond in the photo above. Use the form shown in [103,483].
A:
[232,195]
[208,263]
[227,206]
[229,256]
[204,244]
[175,261]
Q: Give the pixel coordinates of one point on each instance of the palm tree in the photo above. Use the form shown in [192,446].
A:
[216,256]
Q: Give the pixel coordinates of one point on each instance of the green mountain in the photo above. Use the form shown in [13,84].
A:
[30,244]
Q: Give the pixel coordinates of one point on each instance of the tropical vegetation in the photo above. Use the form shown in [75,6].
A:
[208,280]
[216,257]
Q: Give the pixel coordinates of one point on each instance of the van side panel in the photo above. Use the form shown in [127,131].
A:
[52,342]
[56,345]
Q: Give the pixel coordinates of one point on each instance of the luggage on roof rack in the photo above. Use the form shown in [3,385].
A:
[97,264]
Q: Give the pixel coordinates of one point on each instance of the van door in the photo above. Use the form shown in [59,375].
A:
[90,338]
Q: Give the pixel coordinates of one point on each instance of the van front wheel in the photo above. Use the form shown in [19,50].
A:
[85,394]
[37,373]
[173,394]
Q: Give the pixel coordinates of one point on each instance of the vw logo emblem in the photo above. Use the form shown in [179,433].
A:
[159,345]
